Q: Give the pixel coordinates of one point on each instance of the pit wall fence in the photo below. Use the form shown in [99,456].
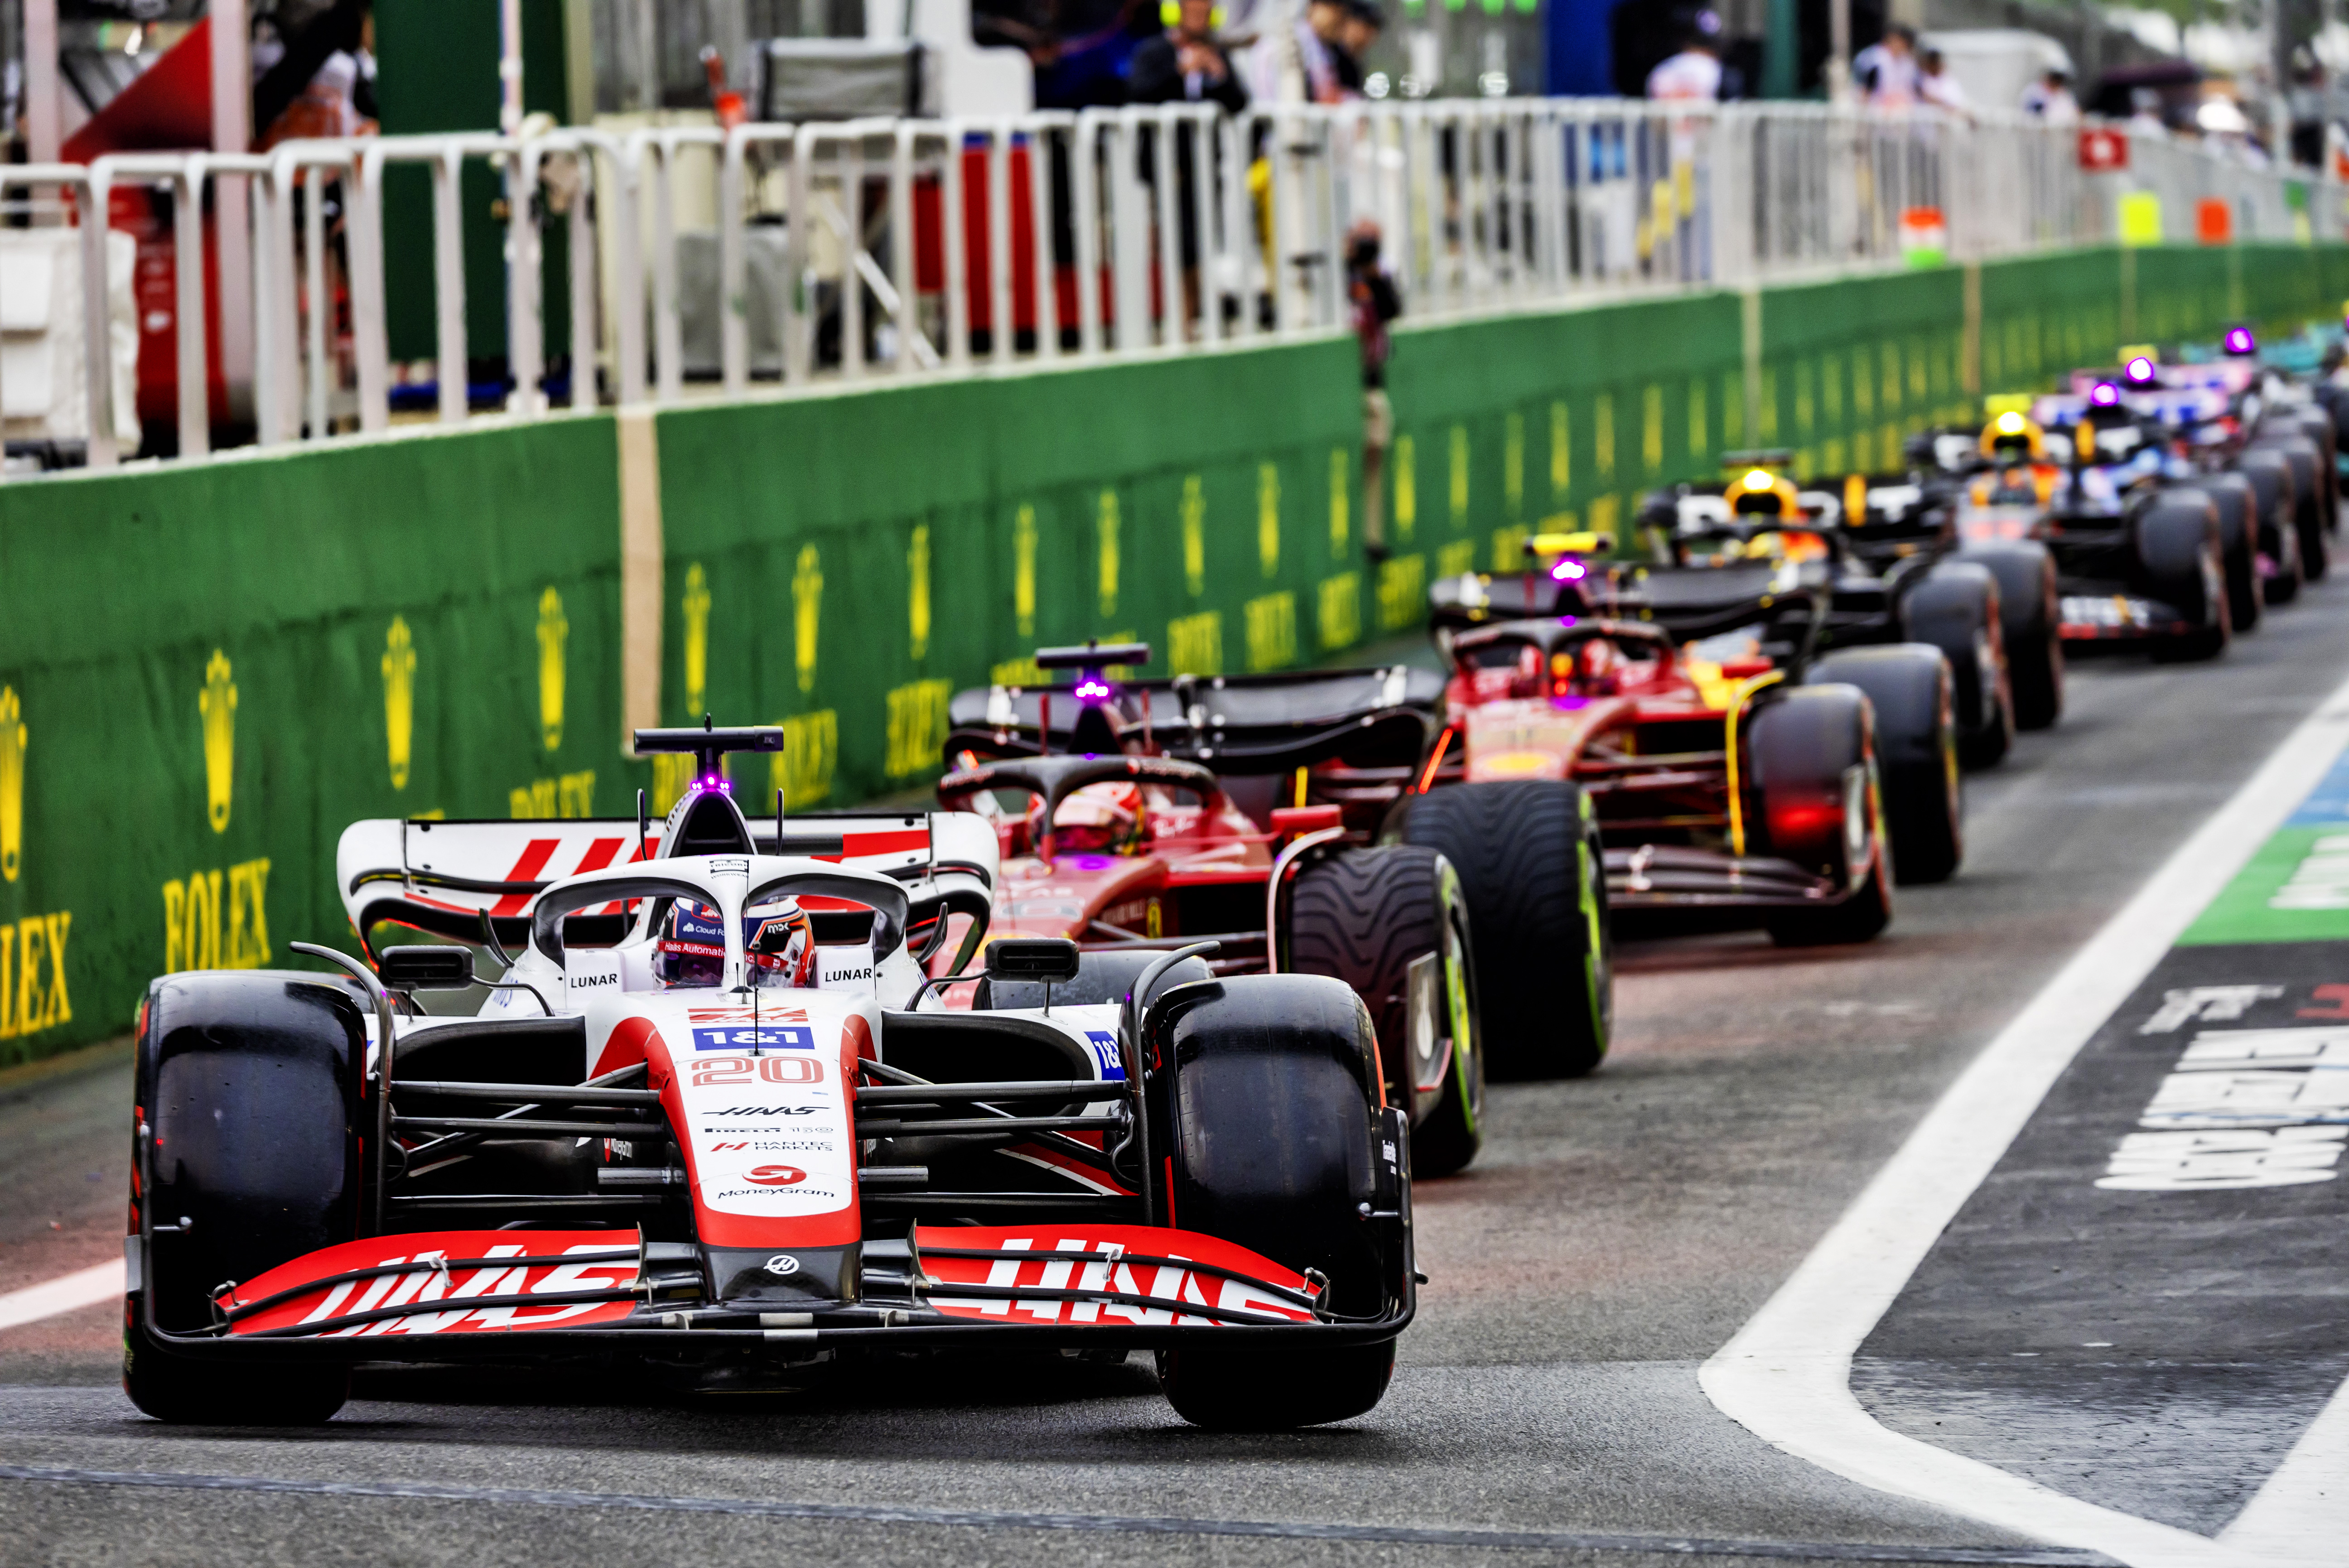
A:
[208,670]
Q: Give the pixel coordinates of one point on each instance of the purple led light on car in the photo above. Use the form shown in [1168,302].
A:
[1092,689]
[2240,342]
[2140,368]
[2104,394]
[1568,571]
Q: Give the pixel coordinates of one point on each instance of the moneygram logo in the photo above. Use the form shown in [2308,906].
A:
[774,1176]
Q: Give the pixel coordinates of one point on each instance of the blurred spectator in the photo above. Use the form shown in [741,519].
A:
[2050,98]
[1936,87]
[1299,64]
[1694,74]
[1358,34]
[1885,73]
[2306,104]
[1370,296]
[1185,64]
[313,71]
[1081,50]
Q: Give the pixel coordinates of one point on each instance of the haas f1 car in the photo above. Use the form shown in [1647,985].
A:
[1135,817]
[715,1124]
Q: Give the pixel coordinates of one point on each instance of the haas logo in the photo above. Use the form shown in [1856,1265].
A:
[774,1176]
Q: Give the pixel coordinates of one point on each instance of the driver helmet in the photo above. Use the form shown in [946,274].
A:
[782,946]
[778,938]
[692,947]
[1759,492]
[2013,438]
[1107,819]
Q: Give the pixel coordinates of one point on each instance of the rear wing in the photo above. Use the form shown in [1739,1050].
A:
[1233,724]
[445,877]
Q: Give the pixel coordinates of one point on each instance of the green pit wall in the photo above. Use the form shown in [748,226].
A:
[207,671]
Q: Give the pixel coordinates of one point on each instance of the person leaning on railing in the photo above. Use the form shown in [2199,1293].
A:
[1370,296]
[1185,64]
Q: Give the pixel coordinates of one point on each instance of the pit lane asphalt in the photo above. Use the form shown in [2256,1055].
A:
[1615,1234]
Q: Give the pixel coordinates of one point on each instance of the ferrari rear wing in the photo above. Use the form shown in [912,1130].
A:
[1234,723]
[445,878]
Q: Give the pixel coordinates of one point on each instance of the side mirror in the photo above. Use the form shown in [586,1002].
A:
[436,967]
[1049,960]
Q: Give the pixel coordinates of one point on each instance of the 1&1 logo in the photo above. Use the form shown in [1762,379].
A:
[774,1176]
[778,1037]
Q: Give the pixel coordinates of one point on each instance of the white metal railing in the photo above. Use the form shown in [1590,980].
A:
[704,262]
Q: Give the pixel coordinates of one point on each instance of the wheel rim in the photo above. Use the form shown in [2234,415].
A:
[1598,961]
[1458,981]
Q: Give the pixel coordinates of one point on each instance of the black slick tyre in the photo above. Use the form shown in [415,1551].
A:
[1908,685]
[2270,478]
[1815,791]
[2308,512]
[2176,537]
[1266,1105]
[1366,916]
[2030,627]
[246,1092]
[1531,862]
[1956,608]
[2238,540]
[1243,1390]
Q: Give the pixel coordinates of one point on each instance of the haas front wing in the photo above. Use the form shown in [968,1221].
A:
[396,1291]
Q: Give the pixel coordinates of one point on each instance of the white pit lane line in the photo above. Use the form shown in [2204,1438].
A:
[67,1292]
[1786,1376]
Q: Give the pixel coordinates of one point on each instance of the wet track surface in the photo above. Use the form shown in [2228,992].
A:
[1615,1234]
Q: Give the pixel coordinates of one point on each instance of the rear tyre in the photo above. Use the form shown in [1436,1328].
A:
[1268,1113]
[2309,519]
[1814,763]
[2283,583]
[2315,550]
[1956,608]
[2176,542]
[2028,626]
[1858,918]
[1908,685]
[2232,495]
[2271,477]
[248,1085]
[1365,916]
[1529,860]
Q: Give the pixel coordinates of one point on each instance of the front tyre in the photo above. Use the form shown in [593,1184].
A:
[186,1392]
[247,1092]
[1268,1106]
[1243,1390]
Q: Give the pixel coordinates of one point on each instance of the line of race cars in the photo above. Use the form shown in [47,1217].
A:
[1138,1040]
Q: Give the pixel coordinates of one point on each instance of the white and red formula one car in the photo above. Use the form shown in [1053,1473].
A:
[714,1123]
